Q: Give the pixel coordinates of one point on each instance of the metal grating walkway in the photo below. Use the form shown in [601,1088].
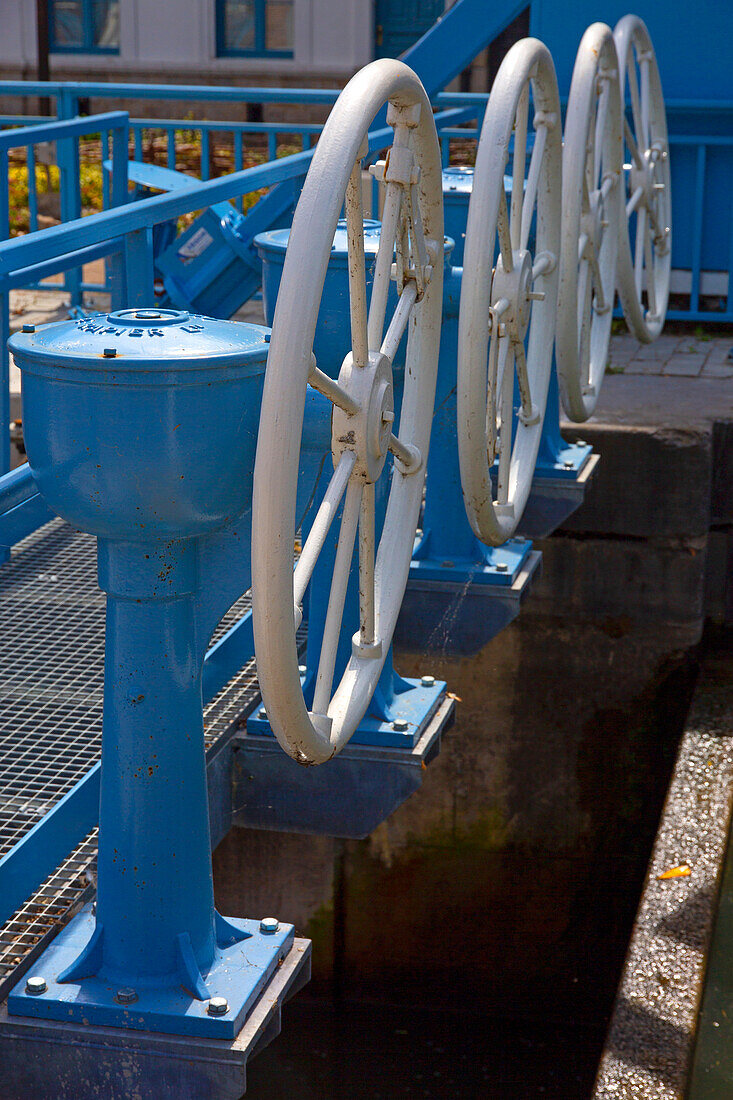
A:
[51,681]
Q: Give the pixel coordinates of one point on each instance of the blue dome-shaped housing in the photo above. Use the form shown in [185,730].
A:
[142,423]
[333,331]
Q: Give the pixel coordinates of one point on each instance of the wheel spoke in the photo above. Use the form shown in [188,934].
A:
[518,162]
[367,625]
[337,598]
[505,240]
[583,284]
[408,455]
[631,142]
[506,401]
[601,115]
[582,245]
[639,249]
[417,235]
[533,179]
[321,525]
[635,105]
[400,317]
[597,281]
[383,264]
[584,326]
[543,264]
[528,414]
[651,290]
[331,389]
[644,62]
[491,393]
[357,271]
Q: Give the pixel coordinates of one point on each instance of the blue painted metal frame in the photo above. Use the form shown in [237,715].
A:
[125,231]
[66,134]
[260,48]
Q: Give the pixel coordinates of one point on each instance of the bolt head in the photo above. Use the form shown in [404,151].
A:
[35,986]
[580,443]
[29,328]
[302,669]
[126,996]
[502,567]
[568,465]
[217,1006]
[427,681]
[262,713]
[400,725]
[269,926]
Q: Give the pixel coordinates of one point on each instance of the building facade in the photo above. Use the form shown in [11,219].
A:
[210,41]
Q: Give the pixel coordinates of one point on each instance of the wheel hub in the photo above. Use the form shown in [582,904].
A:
[514,286]
[366,431]
[591,223]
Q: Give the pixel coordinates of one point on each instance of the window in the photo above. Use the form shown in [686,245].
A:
[84,26]
[254,28]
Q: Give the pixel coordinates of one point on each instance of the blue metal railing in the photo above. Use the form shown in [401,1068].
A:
[112,126]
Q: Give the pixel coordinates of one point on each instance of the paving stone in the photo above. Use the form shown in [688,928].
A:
[638,466]
[717,370]
[685,364]
[719,350]
[644,366]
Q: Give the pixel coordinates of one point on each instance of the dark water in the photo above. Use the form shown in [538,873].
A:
[375,1052]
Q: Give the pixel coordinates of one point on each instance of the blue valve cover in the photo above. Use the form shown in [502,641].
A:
[142,423]
[142,339]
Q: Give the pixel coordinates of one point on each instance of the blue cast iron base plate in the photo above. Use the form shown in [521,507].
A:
[497,566]
[416,707]
[555,495]
[50,1060]
[240,973]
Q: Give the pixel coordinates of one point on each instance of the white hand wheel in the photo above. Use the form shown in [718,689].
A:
[592,171]
[363,428]
[507,318]
[647,186]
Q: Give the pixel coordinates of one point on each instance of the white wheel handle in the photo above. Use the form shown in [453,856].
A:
[507,318]
[592,172]
[362,423]
[647,193]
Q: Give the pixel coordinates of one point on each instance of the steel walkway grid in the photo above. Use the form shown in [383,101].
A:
[51,684]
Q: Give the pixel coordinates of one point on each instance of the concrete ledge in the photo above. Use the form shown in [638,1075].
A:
[651,482]
[651,1037]
[644,581]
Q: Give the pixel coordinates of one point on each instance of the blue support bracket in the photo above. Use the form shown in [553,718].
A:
[347,797]
[83,1063]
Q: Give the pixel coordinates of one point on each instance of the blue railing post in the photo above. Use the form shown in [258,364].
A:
[4,326]
[115,264]
[139,267]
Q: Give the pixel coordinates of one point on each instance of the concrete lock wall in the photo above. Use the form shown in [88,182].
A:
[513,875]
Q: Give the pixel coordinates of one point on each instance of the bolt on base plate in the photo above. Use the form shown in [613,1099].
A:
[410,713]
[238,976]
[88,1062]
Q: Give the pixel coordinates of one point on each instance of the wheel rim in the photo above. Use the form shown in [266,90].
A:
[644,264]
[592,169]
[517,302]
[362,418]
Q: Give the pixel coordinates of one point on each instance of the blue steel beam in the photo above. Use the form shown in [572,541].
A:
[455,40]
